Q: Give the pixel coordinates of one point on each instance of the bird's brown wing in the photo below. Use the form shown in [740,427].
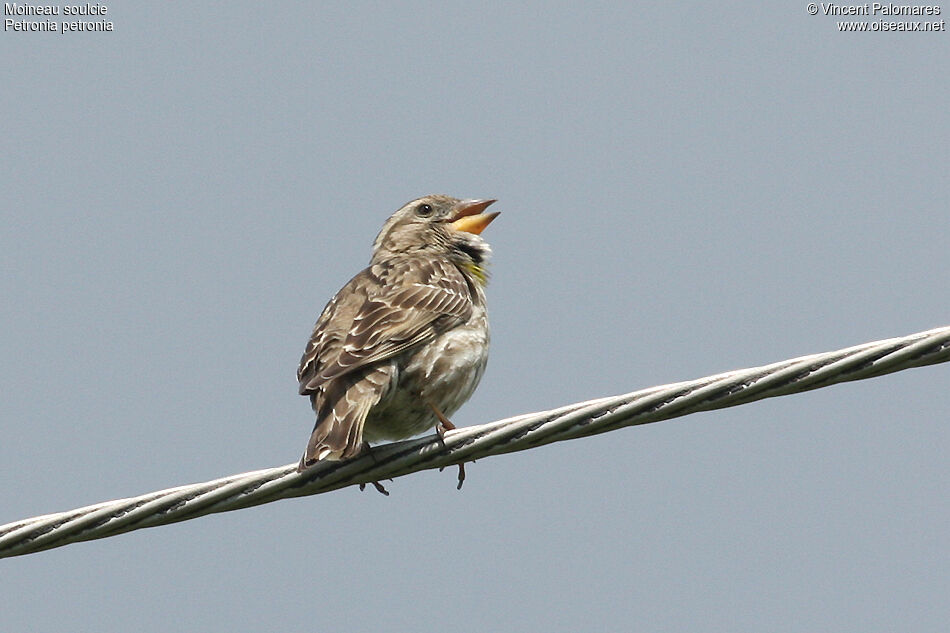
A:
[386,309]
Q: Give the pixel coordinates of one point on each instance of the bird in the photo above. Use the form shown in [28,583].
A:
[405,342]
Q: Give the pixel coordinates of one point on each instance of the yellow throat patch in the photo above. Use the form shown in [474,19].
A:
[478,272]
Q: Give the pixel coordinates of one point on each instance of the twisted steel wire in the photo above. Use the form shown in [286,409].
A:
[466,444]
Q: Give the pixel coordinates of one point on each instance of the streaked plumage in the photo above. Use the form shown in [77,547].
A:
[406,336]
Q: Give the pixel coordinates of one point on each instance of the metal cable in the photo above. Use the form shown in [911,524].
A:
[504,436]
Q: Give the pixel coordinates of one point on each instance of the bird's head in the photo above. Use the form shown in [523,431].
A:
[438,225]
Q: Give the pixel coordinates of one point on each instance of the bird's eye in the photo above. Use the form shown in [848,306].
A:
[424,210]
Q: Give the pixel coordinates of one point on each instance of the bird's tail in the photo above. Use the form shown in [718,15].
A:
[342,405]
[333,439]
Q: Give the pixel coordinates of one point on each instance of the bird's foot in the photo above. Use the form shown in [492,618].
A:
[444,426]
[379,488]
[461,474]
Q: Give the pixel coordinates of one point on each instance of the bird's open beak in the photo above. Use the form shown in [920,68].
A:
[469,217]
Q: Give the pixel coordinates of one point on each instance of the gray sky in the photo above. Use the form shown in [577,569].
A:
[684,190]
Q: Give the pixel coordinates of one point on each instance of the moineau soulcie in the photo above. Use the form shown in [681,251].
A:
[404,344]
[15,8]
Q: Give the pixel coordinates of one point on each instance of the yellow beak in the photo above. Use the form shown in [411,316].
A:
[469,216]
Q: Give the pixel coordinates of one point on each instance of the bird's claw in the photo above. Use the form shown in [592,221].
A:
[379,488]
